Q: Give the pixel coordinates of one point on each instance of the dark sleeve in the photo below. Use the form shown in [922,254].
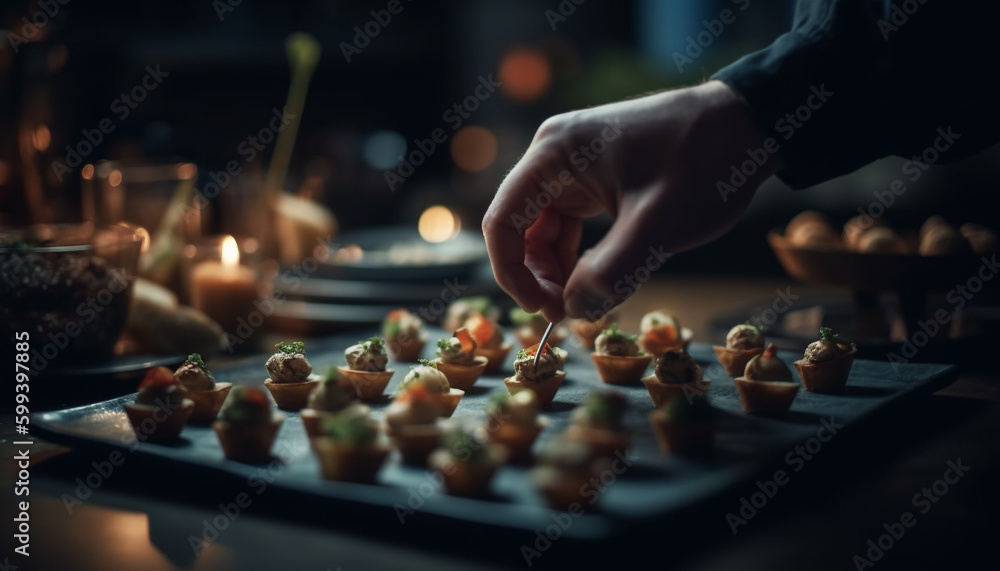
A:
[857,80]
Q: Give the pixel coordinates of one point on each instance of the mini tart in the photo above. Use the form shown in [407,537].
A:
[471,479]
[766,397]
[291,396]
[248,442]
[544,390]
[165,431]
[683,438]
[734,361]
[562,488]
[415,442]
[529,339]
[658,349]
[601,441]
[462,376]
[409,351]
[517,440]
[207,403]
[312,421]
[495,356]
[618,370]
[347,463]
[826,376]
[369,385]
[662,393]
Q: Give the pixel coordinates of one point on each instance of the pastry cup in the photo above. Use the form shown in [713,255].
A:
[291,396]
[410,350]
[369,385]
[692,439]
[416,442]
[312,421]
[462,376]
[516,440]
[544,390]
[662,393]
[248,442]
[658,349]
[828,376]
[495,356]
[617,370]
[466,478]
[602,443]
[149,428]
[529,339]
[449,401]
[207,403]
[349,463]
[734,361]
[766,397]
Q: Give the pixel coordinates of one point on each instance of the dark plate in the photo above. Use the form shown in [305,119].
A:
[653,487]
[454,258]
[131,367]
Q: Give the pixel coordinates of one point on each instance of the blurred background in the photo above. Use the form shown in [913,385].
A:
[225,70]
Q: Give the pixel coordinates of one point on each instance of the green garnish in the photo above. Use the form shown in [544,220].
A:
[350,429]
[391,329]
[427,363]
[376,343]
[827,334]
[466,447]
[444,344]
[197,360]
[523,354]
[291,347]
[332,374]
[614,333]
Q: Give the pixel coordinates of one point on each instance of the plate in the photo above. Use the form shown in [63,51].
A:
[645,487]
[400,254]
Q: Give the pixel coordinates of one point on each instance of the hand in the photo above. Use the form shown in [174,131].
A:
[652,163]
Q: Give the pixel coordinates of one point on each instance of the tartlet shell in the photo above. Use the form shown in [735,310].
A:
[466,478]
[544,390]
[449,401]
[415,442]
[495,356]
[369,385]
[516,440]
[249,443]
[618,370]
[462,376]
[766,397]
[602,443]
[291,396]
[827,376]
[169,430]
[207,404]
[734,361]
[410,351]
[349,463]
[662,393]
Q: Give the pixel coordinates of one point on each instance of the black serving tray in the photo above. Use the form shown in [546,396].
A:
[654,487]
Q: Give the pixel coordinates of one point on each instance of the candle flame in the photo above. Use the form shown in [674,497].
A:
[230,252]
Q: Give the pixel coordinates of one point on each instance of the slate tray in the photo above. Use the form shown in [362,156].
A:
[653,487]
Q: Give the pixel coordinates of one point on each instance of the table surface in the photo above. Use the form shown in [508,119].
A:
[823,521]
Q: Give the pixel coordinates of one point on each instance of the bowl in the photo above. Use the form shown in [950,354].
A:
[65,290]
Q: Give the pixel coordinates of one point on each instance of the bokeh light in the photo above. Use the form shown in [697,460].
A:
[438,224]
[473,148]
[525,74]
[382,149]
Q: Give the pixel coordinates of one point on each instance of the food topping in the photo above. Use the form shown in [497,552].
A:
[194,375]
[333,393]
[693,408]
[289,364]
[745,336]
[354,430]
[427,375]
[400,323]
[768,367]
[416,405]
[520,409]
[601,409]
[485,332]
[460,349]
[677,367]
[828,348]
[612,341]
[159,388]
[548,364]
[246,405]
[368,355]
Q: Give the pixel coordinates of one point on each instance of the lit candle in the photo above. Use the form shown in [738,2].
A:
[226,291]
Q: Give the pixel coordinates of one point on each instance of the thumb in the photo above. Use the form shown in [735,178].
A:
[611,271]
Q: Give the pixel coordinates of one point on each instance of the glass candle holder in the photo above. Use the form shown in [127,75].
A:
[222,274]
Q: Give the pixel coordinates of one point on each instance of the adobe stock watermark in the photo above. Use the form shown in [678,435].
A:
[363,35]
[563,520]
[922,501]
[697,44]
[32,27]
[223,7]
[796,459]
[783,301]
[455,116]
[899,15]
[122,107]
[563,11]
[581,159]
[787,126]
[957,297]
[915,168]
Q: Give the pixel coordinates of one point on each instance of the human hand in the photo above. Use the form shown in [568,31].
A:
[652,163]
